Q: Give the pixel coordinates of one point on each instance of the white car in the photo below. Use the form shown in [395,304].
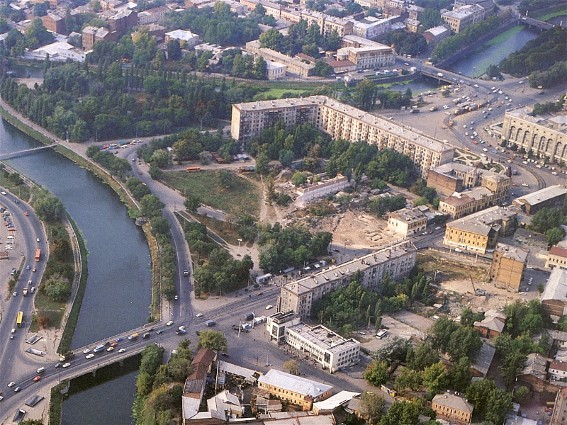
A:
[86,351]
[269,306]
[11,384]
[110,349]
[89,356]
[199,315]
[66,365]
[169,323]
[122,350]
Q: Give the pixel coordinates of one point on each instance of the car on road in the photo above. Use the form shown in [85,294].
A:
[185,272]
[58,365]
[86,351]
[89,356]
[269,306]
[122,350]
[37,240]
[11,384]
[199,315]
[176,297]
[17,389]
[26,213]
[15,293]
[1,398]
[169,323]
[36,378]
[66,365]
[110,349]
[28,267]
[158,332]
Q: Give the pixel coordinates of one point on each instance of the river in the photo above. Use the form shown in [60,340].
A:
[118,291]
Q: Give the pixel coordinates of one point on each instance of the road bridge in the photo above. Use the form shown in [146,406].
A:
[535,23]
[25,152]
[440,76]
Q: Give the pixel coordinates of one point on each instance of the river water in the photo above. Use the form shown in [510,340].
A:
[118,291]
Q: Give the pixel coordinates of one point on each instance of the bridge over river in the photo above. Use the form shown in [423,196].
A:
[535,23]
[25,152]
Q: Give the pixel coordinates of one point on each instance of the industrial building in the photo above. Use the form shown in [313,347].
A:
[549,197]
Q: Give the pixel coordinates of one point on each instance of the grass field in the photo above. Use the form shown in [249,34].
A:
[239,197]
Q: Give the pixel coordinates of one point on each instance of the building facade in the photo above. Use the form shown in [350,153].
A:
[340,121]
[559,415]
[329,349]
[554,296]
[549,197]
[407,222]
[366,54]
[395,261]
[293,389]
[463,16]
[542,136]
[452,408]
[293,65]
[508,265]
[478,232]
[556,257]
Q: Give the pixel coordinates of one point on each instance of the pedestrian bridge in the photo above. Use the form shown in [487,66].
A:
[25,152]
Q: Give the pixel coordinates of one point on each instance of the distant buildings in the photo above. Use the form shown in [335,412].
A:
[365,54]
[370,27]
[542,136]
[320,190]
[91,35]
[452,408]
[462,17]
[508,265]
[558,370]
[554,296]
[407,222]
[329,349]
[395,261]
[479,232]
[559,415]
[436,34]
[340,121]
[186,38]
[556,257]
[293,65]
[552,196]
[293,389]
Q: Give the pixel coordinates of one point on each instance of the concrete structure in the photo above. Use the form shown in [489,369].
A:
[436,34]
[298,391]
[556,257]
[293,65]
[277,323]
[54,23]
[365,54]
[453,177]
[492,325]
[508,265]
[320,190]
[461,17]
[340,121]
[187,39]
[478,232]
[395,261]
[407,222]
[552,196]
[559,415]
[558,371]
[329,349]
[452,407]
[545,136]
[554,296]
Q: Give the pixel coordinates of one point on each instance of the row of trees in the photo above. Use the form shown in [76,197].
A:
[555,75]
[410,43]
[290,246]
[549,221]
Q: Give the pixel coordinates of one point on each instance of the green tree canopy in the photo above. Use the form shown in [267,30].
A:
[213,340]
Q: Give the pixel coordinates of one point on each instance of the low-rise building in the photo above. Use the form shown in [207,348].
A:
[554,296]
[371,27]
[483,360]
[534,373]
[366,54]
[275,70]
[294,389]
[224,406]
[464,16]
[407,222]
[395,261]
[559,415]
[556,257]
[436,34]
[558,370]
[492,325]
[329,349]
[293,65]
[321,189]
[508,265]
[277,323]
[549,197]
[187,39]
[60,51]
[478,232]
[452,408]
[91,35]
[194,386]
[54,23]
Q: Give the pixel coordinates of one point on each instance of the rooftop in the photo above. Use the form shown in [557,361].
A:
[555,123]
[512,252]
[483,221]
[556,288]
[323,337]
[299,385]
[558,365]
[383,255]
[335,401]
[536,366]
[453,401]
[542,195]
[408,215]
[436,31]
[484,358]
[558,251]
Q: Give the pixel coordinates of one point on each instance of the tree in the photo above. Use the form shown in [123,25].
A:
[48,207]
[408,379]
[463,342]
[377,373]
[151,206]
[213,340]
[160,158]
[546,219]
[291,366]
[57,287]
[173,50]
[554,235]
[435,378]
[489,402]
[192,202]
[460,375]
[401,413]
[421,357]
[372,407]
[521,394]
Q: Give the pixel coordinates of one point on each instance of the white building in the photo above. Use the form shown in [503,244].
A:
[276,70]
[329,349]
[321,189]
[59,51]
[371,27]
[407,222]
[186,38]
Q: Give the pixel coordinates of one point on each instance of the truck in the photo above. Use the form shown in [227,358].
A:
[210,323]
[37,254]
[134,336]
[25,292]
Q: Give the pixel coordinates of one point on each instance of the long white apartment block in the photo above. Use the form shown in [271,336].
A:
[340,121]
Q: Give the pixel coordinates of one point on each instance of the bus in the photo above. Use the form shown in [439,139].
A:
[37,254]
[193,169]
[20,319]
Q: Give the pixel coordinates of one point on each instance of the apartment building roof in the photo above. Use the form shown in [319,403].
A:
[181,35]
[491,323]
[299,385]
[558,365]
[364,42]
[542,195]
[408,215]
[483,360]
[478,192]
[512,252]
[437,31]
[483,221]
[536,366]
[308,283]
[323,337]
[558,251]
[556,288]
[453,401]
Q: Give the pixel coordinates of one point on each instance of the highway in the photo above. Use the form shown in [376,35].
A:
[29,228]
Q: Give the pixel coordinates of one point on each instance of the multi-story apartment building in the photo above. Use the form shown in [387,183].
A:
[461,17]
[456,177]
[329,349]
[559,415]
[395,261]
[478,232]
[407,222]
[293,65]
[548,197]
[340,121]
[365,54]
[293,389]
[452,407]
[508,265]
[542,136]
